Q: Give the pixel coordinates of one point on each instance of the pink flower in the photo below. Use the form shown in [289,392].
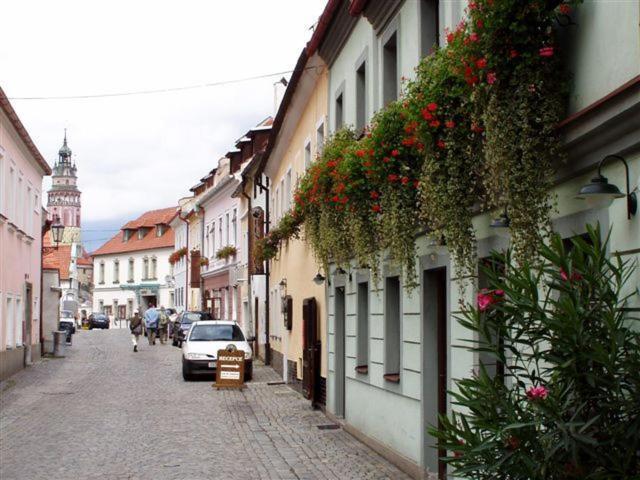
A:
[499,293]
[491,78]
[574,277]
[537,393]
[484,301]
[546,52]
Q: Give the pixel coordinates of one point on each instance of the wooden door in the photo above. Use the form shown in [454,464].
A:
[122,312]
[311,351]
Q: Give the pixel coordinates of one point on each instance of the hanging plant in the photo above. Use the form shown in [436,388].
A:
[204,262]
[177,255]
[226,252]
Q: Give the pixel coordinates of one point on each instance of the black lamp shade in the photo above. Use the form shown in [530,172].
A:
[600,186]
[318,279]
[502,221]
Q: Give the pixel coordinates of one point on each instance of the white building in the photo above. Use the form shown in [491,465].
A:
[132,270]
[181,264]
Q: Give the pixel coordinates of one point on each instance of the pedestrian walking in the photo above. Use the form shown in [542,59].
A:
[151,318]
[135,325]
[163,325]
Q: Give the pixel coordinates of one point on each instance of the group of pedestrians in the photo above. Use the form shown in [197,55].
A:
[156,323]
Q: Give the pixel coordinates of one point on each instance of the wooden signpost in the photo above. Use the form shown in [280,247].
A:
[230,369]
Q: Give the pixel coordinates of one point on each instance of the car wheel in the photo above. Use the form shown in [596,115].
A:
[186,374]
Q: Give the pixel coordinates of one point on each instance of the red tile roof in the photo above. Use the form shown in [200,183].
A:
[148,220]
[57,258]
[85,259]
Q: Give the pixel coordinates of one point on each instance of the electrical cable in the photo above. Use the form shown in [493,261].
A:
[162,90]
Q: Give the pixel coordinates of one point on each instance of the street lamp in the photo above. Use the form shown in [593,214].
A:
[318,279]
[600,193]
[503,221]
[57,229]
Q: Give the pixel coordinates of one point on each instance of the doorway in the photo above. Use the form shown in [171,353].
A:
[311,351]
[339,329]
[434,341]
[256,326]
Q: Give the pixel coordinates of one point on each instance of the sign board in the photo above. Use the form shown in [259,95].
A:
[230,369]
[146,291]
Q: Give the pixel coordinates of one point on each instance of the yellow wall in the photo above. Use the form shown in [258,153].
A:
[295,261]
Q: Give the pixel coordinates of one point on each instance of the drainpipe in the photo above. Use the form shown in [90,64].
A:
[202,302]
[249,244]
[267,346]
[186,281]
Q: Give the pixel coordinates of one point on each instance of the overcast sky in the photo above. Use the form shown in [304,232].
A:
[136,153]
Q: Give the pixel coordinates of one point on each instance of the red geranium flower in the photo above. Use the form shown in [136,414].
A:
[360,153]
[434,123]
[449,124]
[473,37]
[374,195]
[335,198]
[546,52]
[416,183]
[565,9]
[395,152]
[476,128]
[432,107]
[386,159]
[392,177]
[408,142]
[481,63]
[426,114]
[405,180]
[450,37]
[479,23]
[376,208]
[441,144]
[491,78]
[513,53]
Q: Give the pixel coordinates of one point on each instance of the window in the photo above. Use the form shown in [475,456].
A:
[10,324]
[11,194]
[319,138]
[213,240]
[116,271]
[361,96]
[101,306]
[307,155]
[390,69]
[392,344]
[18,313]
[101,272]
[2,188]
[145,268]
[288,191]
[281,199]
[428,26]
[141,233]
[126,235]
[27,211]
[234,227]
[131,269]
[276,206]
[19,211]
[221,240]
[159,230]
[36,202]
[130,307]
[339,112]
[154,267]
[226,229]
[362,332]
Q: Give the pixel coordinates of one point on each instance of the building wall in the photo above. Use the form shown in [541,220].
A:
[195,243]
[397,415]
[179,269]
[295,262]
[50,306]
[20,246]
[110,290]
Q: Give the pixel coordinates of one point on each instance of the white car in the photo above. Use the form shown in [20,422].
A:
[205,338]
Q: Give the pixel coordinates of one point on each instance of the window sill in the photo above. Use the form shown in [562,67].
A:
[392,377]
[100,283]
[129,281]
[363,369]
[116,283]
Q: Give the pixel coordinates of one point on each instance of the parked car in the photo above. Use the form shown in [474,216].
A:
[183,323]
[204,339]
[98,320]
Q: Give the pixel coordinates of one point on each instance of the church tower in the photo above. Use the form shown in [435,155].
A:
[64,196]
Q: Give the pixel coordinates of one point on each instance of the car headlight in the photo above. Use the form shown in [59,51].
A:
[195,356]
[248,354]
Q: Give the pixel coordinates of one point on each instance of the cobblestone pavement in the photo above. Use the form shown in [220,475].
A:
[105,412]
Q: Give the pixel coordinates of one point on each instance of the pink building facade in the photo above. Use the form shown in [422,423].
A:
[22,169]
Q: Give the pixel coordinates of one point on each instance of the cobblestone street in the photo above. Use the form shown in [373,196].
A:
[104,412]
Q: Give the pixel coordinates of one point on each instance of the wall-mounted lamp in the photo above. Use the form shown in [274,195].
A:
[57,230]
[318,279]
[339,271]
[503,221]
[600,193]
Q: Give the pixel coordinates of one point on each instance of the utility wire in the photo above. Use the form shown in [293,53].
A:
[161,90]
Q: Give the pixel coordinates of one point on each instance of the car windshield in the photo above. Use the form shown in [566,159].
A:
[100,317]
[191,317]
[212,333]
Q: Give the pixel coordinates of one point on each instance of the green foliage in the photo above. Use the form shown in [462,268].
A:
[568,405]
[226,252]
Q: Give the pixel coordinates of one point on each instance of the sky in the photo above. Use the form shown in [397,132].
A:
[140,152]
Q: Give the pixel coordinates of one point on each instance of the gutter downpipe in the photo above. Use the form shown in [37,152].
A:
[45,228]
[267,221]
[202,300]
[186,273]
[249,251]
